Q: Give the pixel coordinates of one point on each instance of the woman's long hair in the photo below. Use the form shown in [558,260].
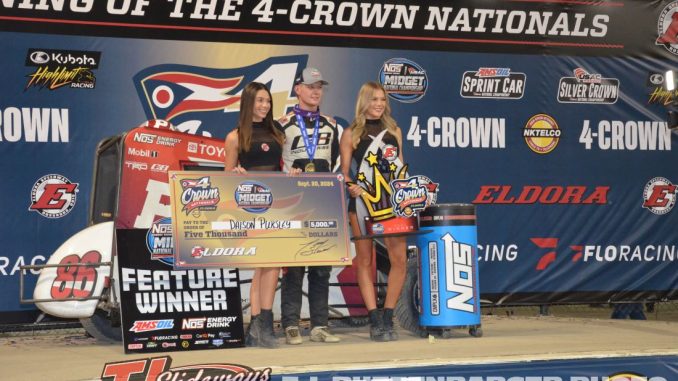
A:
[365,95]
[247,100]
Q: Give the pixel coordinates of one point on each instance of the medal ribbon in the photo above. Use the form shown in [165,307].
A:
[312,143]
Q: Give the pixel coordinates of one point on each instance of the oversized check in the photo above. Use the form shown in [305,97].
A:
[223,219]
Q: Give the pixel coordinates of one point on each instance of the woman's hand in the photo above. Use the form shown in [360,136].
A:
[239,170]
[355,190]
[294,171]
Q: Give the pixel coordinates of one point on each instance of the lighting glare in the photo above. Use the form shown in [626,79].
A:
[670,84]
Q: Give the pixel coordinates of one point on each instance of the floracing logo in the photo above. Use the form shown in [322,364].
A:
[585,87]
[198,195]
[404,80]
[667,28]
[541,133]
[160,242]
[202,100]
[659,195]
[493,82]
[53,196]
[585,253]
[253,197]
[151,325]
[58,68]
[413,194]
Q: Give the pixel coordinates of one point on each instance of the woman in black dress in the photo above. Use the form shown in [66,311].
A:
[372,116]
[256,145]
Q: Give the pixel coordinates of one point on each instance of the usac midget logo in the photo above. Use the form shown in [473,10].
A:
[159,368]
[659,195]
[53,196]
[253,197]
[667,28]
[404,80]
[541,133]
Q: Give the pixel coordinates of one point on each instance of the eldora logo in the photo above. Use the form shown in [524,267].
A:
[667,28]
[198,194]
[53,196]
[159,368]
[199,251]
[541,133]
[659,195]
[537,194]
[253,197]
[404,80]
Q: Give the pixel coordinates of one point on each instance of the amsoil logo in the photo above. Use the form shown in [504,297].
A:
[586,87]
[659,195]
[600,253]
[58,68]
[159,368]
[151,325]
[667,28]
[541,134]
[53,196]
[493,82]
[537,194]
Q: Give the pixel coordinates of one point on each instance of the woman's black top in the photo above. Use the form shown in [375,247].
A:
[373,127]
[265,152]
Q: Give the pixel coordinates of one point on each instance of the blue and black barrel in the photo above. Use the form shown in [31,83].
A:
[448,265]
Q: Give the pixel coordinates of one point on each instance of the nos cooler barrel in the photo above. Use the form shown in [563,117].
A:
[448,267]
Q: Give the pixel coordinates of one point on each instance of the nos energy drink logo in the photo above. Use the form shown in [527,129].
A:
[459,274]
[201,100]
[160,242]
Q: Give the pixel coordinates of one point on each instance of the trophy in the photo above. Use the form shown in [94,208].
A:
[391,198]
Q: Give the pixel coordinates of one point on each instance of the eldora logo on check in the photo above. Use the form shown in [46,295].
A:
[253,197]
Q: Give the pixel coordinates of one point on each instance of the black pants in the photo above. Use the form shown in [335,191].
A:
[318,293]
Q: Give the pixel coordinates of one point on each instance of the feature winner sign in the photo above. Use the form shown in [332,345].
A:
[165,309]
[258,220]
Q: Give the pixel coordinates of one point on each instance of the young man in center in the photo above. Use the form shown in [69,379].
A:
[311,145]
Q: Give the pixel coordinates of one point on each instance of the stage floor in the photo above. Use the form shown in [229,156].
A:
[75,357]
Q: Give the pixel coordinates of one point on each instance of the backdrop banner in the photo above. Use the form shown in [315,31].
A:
[550,117]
